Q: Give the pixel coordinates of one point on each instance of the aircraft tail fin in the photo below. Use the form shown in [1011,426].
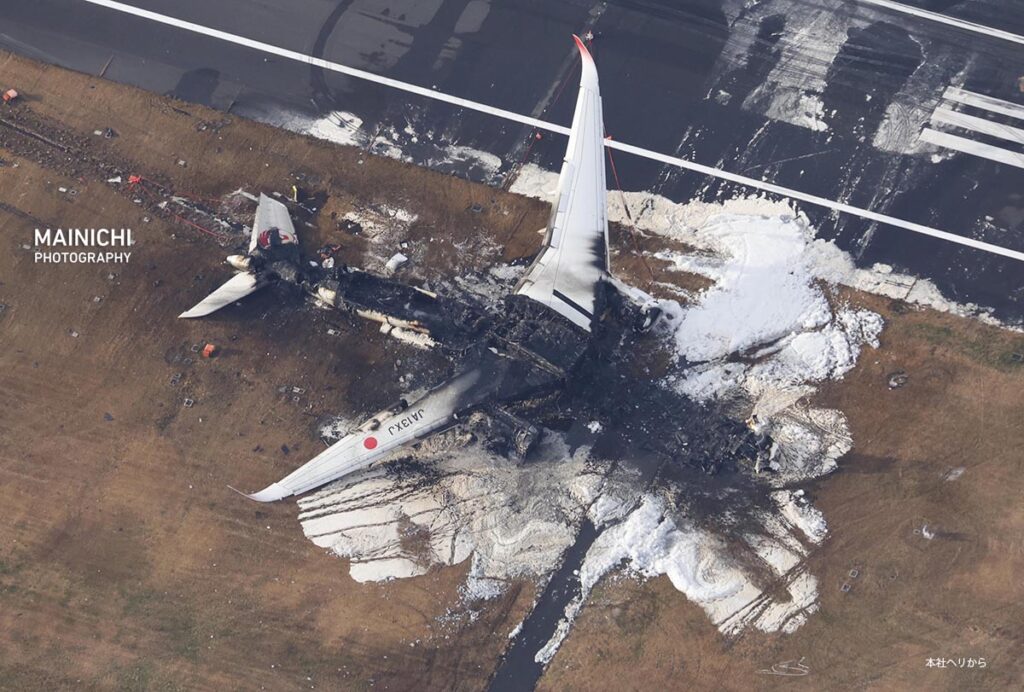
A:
[272,215]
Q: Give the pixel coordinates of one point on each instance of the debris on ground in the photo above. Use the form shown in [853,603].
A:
[898,379]
[396,261]
[350,226]
[212,125]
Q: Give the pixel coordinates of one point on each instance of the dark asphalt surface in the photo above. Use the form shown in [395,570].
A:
[700,78]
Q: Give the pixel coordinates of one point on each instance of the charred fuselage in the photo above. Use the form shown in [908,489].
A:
[540,369]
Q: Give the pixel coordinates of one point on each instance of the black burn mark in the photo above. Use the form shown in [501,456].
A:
[870,68]
[323,97]
[197,86]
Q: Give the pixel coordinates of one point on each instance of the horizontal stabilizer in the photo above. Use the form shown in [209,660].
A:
[236,288]
[271,214]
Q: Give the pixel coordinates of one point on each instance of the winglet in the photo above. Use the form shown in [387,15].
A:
[272,493]
[589,77]
[582,46]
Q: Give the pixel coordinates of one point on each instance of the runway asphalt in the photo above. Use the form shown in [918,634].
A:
[829,97]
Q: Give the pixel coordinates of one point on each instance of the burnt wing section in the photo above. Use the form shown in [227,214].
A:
[643,421]
[537,332]
[453,324]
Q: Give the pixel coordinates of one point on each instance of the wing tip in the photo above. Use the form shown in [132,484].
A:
[588,79]
[272,493]
[200,309]
[584,51]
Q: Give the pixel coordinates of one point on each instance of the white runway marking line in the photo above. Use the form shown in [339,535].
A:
[550,127]
[327,65]
[945,116]
[947,20]
[969,146]
[964,121]
[821,201]
[988,103]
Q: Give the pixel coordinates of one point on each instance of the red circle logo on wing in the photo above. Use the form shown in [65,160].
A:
[370,442]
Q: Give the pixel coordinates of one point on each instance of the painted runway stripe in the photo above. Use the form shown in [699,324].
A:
[947,20]
[822,202]
[988,103]
[550,127]
[945,116]
[327,65]
[969,146]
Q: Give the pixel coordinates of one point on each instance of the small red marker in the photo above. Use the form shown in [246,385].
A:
[370,442]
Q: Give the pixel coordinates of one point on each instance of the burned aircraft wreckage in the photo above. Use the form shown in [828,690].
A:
[564,351]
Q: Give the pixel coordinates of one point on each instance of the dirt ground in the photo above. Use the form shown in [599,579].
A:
[126,563]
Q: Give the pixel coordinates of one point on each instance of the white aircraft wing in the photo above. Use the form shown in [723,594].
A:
[376,438]
[236,288]
[272,214]
[566,274]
